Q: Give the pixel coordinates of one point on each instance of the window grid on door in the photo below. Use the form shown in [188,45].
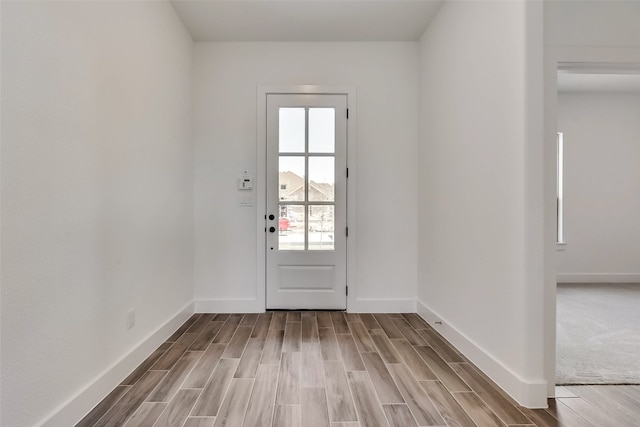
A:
[306,165]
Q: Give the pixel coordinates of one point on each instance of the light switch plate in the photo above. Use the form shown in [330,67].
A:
[246,200]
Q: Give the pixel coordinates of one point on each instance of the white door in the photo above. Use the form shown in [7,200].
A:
[306,201]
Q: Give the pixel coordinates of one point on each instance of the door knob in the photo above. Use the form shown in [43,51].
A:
[272,217]
[272,229]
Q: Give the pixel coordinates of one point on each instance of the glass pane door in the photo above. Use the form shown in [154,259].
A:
[306,178]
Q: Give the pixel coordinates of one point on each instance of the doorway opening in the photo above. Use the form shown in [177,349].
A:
[598,280]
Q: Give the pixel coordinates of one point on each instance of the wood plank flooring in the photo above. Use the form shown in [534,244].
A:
[332,369]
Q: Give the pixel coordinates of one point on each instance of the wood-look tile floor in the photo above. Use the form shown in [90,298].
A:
[331,369]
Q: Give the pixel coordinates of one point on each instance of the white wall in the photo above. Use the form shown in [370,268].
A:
[474,257]
[602,190]
[96,196]
[592,23]
[226,79]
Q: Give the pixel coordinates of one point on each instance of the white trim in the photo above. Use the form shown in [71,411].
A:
[229,306]
[528,393]
[387,305]
[261,159]
[598,278]
[75,408]
[365,305]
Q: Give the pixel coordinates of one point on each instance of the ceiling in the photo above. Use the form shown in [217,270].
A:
[360,20]
[306,20]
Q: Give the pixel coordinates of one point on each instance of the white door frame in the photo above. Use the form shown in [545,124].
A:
[555,56]
[261,184]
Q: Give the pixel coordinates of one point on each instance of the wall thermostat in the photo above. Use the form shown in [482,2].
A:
[246,182]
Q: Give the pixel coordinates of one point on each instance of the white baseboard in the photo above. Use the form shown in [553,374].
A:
[598,278]
[530,394]
[386,305]
[74,409]
[228,306]
[252,306]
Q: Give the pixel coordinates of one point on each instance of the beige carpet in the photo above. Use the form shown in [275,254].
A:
[598,334]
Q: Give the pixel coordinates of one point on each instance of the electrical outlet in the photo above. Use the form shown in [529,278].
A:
[131,318]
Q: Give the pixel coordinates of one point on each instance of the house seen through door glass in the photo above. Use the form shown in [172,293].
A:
[306,179]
